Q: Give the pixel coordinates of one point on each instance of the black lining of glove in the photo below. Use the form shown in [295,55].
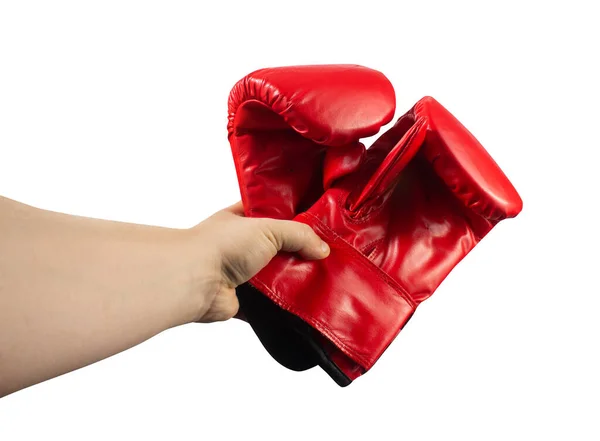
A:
[286,337]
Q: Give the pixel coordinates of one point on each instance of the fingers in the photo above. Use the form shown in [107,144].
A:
[296,237]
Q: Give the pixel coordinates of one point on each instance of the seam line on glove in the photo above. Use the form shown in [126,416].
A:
[384,277]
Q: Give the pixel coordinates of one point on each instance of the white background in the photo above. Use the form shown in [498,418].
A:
[117,110]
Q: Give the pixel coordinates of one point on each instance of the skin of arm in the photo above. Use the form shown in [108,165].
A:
[75,290]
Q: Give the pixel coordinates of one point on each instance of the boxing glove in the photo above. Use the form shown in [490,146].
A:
[425,195]
[293,132]
[285,122]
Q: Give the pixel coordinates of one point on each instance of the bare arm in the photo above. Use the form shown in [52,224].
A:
[75,290]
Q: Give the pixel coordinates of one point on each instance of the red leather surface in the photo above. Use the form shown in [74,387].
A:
[472,174]
[282,121]
[431,192]
[346,297]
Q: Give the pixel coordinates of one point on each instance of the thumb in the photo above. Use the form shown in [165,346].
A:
[297,237]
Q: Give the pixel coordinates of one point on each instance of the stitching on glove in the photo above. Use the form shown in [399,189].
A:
[384,277]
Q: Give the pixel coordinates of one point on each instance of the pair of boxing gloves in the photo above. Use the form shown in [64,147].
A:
[397,216]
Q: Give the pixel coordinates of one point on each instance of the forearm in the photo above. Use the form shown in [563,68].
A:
[75,290]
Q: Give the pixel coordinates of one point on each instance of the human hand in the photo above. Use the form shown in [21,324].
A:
[236,248]
[76,290]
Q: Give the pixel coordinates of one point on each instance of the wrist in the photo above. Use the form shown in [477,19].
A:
[199,276]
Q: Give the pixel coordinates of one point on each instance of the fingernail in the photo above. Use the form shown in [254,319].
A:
[324,248]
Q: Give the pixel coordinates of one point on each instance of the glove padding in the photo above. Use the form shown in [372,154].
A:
[285,122]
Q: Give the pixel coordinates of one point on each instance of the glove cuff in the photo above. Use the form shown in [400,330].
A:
[356,317]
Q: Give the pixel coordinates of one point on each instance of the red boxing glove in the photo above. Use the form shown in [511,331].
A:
[293,132]
[427,193]
[285,122]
